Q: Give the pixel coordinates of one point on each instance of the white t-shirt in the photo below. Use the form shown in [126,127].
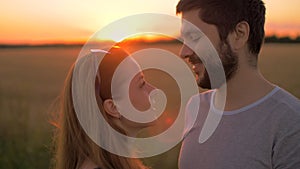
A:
[262,135]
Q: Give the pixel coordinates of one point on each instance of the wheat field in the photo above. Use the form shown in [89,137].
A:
[31,79]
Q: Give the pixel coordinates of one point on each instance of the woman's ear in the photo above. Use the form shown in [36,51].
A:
[111,109]
[239,37]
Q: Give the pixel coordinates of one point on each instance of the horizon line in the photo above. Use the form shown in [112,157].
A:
[268,39]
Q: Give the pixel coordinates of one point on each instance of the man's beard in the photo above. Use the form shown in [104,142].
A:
[230,64]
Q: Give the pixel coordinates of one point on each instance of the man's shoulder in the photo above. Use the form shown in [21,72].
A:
[285,111]
[285,99]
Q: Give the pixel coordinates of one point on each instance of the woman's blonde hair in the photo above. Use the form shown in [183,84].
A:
[73,146]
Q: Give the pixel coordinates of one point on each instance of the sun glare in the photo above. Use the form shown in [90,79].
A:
[47,22]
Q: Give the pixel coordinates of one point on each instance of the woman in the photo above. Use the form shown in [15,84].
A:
[74,147]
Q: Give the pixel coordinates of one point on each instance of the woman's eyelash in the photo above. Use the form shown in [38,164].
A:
[143,83]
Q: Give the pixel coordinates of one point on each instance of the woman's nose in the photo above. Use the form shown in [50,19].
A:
[150,87]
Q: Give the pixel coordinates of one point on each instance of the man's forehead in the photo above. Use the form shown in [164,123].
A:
[187,28]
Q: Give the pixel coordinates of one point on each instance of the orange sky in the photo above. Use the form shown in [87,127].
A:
[64,21]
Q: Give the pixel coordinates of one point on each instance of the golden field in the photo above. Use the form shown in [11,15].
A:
[32,77]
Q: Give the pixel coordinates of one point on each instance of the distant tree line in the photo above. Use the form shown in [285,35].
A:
[268,39]
[275,39]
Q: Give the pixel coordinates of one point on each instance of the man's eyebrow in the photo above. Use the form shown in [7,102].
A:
[189,31]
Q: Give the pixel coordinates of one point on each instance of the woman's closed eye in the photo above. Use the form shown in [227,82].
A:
[142,84]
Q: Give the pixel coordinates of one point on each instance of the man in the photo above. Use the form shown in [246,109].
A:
[260,124]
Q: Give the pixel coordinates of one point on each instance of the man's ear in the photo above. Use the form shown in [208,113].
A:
[111,109]
[239,37]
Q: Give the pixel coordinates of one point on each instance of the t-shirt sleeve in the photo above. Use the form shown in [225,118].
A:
[286,148]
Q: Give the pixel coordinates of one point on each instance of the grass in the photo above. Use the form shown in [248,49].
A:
[31,78]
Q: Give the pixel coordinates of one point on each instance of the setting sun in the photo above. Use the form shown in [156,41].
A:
[40,22]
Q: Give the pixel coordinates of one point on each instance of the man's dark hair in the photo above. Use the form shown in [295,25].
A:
[226,14]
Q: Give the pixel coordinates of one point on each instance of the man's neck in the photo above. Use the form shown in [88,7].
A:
[246,87]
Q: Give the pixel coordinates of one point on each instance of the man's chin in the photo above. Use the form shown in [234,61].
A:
[204,86]
[203,83]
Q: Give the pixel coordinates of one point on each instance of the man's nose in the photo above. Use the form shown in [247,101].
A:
[185,51]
